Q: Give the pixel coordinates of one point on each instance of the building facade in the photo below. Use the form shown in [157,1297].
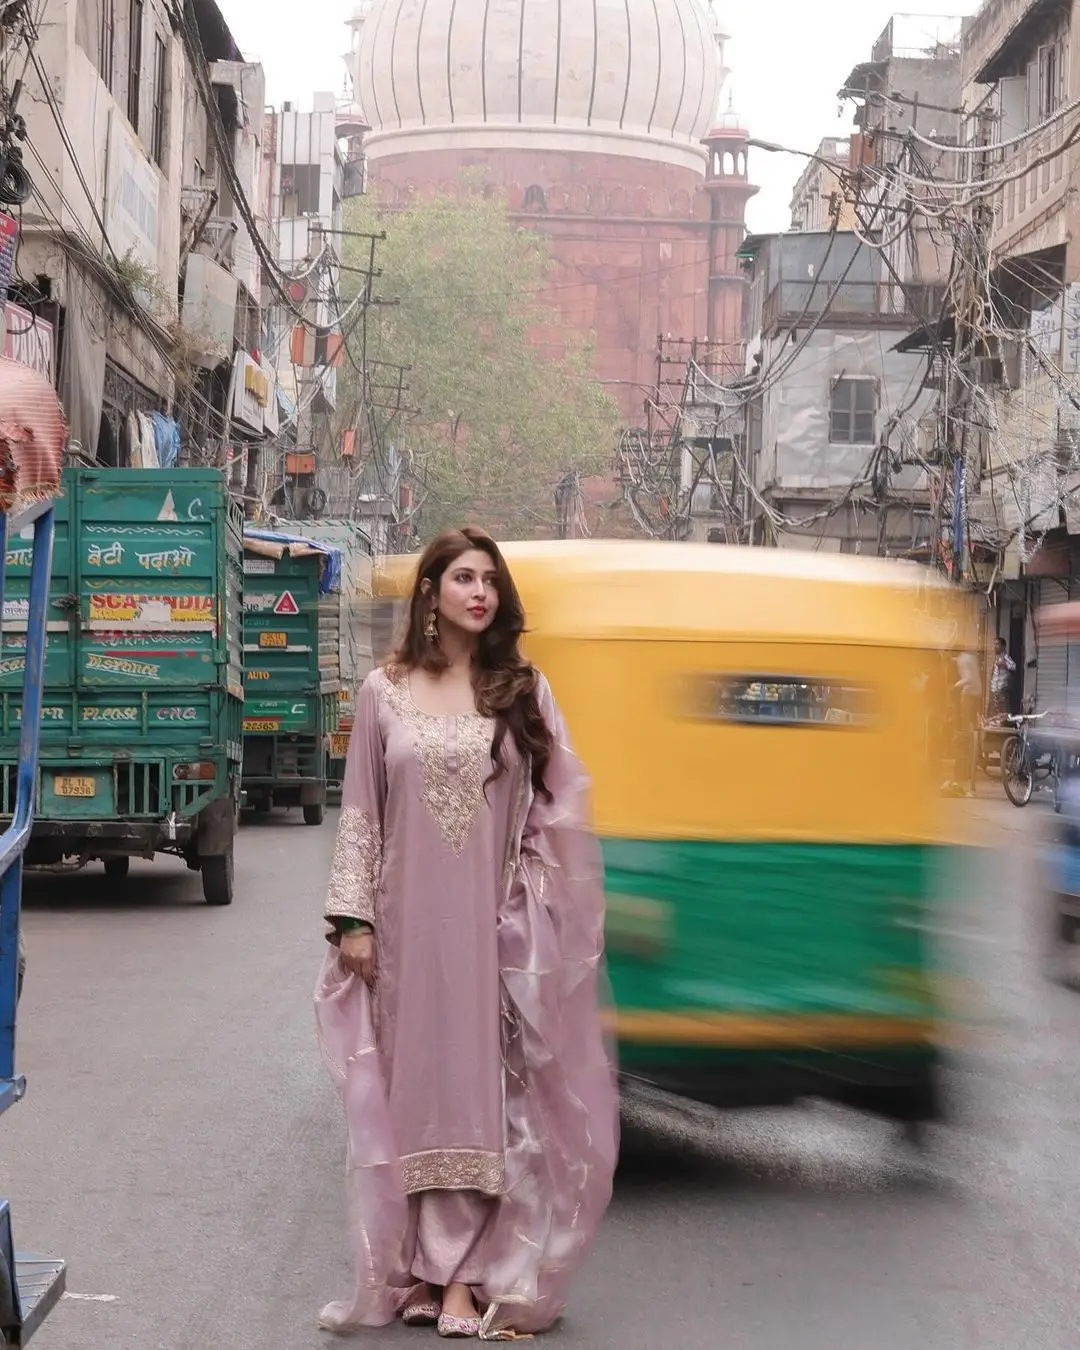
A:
[1021,62]
[144,240]
[600,126]
[908,108]
[230,409]
[103,103]
[821,195]
[838,424]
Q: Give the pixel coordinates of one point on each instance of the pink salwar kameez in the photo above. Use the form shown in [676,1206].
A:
[479,1094]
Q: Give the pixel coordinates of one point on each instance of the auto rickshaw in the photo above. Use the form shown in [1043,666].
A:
[767,795]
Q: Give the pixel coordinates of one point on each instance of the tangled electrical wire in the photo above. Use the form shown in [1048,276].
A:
[18,27]
[989,434]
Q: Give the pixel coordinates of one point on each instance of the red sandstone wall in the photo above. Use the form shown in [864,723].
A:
[630,240]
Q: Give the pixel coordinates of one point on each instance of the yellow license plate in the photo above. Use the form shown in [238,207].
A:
[273,639]
[339,746]
[261,724]
[74,787]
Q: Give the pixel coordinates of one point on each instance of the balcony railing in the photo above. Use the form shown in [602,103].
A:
[847,303]
[917,37]
[1042,183]
[354,183]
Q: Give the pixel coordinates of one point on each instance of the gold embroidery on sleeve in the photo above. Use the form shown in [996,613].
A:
[357,862]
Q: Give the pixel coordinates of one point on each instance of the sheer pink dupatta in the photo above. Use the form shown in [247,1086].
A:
[561,1098]
[561,1095]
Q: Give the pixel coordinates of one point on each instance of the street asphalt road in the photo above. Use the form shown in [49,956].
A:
[181,1145]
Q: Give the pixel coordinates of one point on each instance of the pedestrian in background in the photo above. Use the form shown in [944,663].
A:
[969,688]
[1001,678]
[458,1005]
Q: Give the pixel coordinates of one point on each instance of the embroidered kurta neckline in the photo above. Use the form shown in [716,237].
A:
[402,678]
[453,752]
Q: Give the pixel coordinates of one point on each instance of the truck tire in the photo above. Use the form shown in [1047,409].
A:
[314,814]
[217,879]
[116,869]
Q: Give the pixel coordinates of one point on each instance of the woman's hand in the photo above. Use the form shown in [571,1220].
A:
[358,955]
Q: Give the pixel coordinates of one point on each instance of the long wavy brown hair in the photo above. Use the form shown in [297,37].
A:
[505,683]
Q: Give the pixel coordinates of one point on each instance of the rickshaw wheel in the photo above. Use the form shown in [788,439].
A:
[1018,786]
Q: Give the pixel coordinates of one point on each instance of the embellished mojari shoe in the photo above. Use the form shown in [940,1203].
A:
[458,1328]
[421,1315]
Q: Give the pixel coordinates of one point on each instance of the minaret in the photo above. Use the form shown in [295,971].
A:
[728,185]
[352,124]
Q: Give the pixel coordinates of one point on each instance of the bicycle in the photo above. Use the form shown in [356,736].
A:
[1020,766]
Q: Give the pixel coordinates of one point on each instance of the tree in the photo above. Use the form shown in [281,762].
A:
[501,402]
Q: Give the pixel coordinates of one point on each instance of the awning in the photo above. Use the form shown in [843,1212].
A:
[33,434]
[928,336]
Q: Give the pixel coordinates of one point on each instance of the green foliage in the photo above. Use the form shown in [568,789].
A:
[506,404]
[141,281]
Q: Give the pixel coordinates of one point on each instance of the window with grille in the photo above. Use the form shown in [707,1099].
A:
[161,90]
[300,188]
[853,412]
[107,42]
[135,37]
[1051,91]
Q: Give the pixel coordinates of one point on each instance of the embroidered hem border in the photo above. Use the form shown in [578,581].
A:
[453,1169]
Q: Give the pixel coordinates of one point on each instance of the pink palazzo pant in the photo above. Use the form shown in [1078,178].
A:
[445,1236]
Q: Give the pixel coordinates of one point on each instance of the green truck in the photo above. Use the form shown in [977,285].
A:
[354,625]
[292,670]
[142,719]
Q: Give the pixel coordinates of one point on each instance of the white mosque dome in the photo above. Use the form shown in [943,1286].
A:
[631,77]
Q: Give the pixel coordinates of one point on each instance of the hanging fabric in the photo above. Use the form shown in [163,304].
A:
[148,443]
[133,456]
[167,440]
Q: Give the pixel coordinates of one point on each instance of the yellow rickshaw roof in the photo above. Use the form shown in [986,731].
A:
[655,591]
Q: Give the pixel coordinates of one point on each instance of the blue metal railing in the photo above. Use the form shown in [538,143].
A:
[29,1286]
[14,839]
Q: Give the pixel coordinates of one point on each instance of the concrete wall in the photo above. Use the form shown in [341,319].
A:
[631,252]
[796,452]
[810,201]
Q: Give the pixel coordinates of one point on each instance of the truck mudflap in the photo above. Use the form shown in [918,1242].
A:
[216,828]
[214,838]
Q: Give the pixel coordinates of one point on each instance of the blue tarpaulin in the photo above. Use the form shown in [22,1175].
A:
[272,544]
[167,440]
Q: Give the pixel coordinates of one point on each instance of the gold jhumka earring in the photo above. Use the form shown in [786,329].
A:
[431,628]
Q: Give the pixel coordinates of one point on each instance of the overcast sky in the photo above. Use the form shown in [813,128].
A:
[787,57]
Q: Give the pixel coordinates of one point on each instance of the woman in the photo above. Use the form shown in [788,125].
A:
[458,1012]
